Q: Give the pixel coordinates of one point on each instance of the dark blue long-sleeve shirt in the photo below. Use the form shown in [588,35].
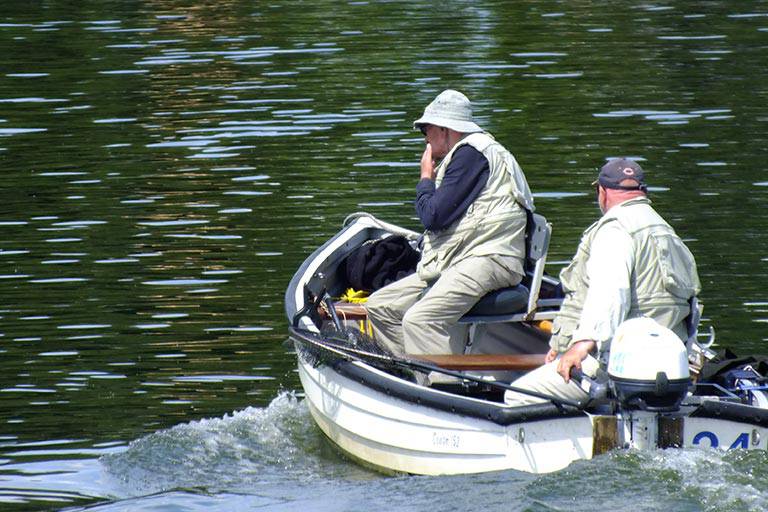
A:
[464,179]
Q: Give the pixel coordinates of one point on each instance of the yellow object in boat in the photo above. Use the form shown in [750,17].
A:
[544,325]
[355,296]
[366,327]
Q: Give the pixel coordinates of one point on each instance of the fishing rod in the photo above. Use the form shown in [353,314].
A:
[305,336]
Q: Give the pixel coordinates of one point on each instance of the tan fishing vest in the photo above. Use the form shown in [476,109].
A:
[663,280]
[493,224]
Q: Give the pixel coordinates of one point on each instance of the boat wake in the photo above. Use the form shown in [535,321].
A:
[734,480]
[274,458]
[248,449]
[660,480]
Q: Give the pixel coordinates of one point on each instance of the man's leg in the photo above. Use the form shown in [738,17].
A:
[386,308]
[431,325]
[547,381]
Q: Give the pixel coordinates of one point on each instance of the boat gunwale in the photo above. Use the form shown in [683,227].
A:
[731,411]
[392,386]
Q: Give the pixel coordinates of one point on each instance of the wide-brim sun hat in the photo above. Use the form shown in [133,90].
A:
[450,109]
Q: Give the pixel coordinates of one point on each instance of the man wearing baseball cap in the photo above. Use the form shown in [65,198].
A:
[630,263]
[472,199]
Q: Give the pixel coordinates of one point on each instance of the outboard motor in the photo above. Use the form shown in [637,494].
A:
[648,366]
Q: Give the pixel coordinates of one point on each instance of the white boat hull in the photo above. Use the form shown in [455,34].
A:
[393,435]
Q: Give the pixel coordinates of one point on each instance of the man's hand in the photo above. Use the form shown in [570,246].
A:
[427,164]
[551,356]
[573,358]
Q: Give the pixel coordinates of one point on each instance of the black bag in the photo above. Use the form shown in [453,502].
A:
[379,262]
[727,369]
[727,360]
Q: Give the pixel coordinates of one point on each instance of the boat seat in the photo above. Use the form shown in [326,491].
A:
[505,301]
[521,302]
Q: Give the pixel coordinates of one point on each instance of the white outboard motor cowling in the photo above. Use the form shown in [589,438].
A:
[648,366]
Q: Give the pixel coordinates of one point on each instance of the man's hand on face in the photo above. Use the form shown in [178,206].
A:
[427,164]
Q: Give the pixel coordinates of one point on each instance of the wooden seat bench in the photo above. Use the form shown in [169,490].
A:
[482,362]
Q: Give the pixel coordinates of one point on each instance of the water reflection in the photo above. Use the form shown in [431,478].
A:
[167,167]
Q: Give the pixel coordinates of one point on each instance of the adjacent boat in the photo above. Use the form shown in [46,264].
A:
[383,411]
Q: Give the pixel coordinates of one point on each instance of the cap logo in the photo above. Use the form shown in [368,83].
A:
[628,171]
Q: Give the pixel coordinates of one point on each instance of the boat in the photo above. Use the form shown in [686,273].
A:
[379,410]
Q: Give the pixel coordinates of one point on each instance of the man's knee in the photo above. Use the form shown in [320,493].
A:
[411,317]
[374,306]
[420,322]
[383,297]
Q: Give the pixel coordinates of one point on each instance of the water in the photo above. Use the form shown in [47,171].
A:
[167,166]
[274,459]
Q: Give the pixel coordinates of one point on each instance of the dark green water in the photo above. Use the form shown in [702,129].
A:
[167,165]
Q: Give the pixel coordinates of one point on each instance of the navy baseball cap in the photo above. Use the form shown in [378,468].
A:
[620,169]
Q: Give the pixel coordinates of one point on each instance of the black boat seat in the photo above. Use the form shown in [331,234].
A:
[504,301]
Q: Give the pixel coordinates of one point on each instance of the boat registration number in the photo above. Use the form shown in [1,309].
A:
[440,440]
[706,437]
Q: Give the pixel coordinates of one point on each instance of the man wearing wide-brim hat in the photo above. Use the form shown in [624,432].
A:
[629,264]
[473,206]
